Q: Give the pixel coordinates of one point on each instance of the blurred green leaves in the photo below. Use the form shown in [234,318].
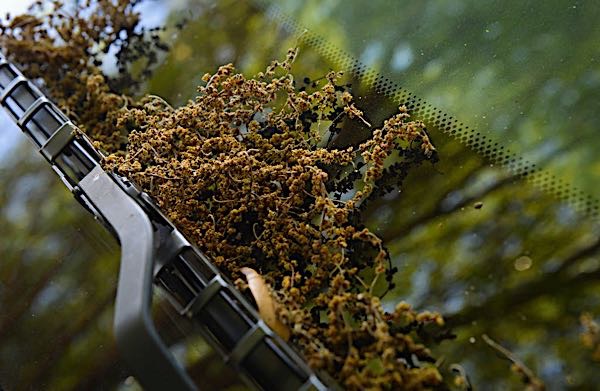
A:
[522,74]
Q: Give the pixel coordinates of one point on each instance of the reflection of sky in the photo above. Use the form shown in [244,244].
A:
[13,6]
[9,133]
[10,136]
[154,13]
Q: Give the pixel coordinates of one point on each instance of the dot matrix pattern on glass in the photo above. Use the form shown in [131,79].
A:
[518,165]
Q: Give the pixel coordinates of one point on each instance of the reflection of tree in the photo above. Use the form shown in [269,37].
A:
[521,73]
[460,258]
[57,285]
[559,281]
[15,310]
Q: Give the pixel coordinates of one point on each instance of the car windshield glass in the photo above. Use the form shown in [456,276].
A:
[499,234]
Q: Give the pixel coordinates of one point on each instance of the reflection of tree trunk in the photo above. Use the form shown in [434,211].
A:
[577,256]
[20,304]
[398,230]
[106,373]
[550,283]
[437,211]
[43,369]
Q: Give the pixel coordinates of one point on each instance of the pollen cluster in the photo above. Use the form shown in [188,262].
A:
[252,172]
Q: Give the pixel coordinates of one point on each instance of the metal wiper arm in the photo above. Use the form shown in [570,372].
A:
[153,251]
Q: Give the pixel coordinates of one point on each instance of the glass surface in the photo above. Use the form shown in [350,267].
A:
[497,253]
[524,74]
[58,272]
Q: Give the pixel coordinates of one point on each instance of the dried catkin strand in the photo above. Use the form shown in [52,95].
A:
[532,382]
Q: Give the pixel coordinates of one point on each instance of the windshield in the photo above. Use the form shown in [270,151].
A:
[500,235]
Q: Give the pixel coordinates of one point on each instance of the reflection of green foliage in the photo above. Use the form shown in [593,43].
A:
[452,257]
[230,31]
[461,260]
[57,284]
[523,74]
